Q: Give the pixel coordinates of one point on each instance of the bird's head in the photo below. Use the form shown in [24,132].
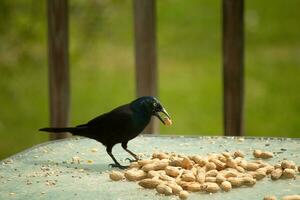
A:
[151,106]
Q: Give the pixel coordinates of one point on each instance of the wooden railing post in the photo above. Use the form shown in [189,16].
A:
[233,65]
[145,52]
[59,86]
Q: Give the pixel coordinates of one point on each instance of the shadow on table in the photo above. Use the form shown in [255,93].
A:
[93,167]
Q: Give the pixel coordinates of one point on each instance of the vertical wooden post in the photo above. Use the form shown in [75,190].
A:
[233,65]
[59,86]
[145,52]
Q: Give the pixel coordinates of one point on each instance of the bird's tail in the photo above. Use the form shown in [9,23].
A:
[61,130]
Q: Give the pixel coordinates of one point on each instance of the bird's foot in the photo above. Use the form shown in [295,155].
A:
[132,160]
[118,166]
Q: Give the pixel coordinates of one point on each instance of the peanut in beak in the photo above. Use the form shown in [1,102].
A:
[168,121]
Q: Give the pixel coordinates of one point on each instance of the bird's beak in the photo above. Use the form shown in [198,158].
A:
[166,120]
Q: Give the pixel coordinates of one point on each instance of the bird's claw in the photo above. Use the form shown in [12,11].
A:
[132,160]
[118,166]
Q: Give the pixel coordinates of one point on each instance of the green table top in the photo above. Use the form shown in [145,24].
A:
[46,171]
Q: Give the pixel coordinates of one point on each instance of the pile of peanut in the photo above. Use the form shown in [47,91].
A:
[173,174]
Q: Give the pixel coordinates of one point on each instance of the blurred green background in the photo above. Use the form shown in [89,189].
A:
[189,60]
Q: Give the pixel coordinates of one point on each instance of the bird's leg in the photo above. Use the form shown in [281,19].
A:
[116,164]
[136,158]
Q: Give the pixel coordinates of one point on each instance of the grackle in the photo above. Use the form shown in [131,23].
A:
[119,125]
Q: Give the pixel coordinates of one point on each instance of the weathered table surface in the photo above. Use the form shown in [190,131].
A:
[46,172]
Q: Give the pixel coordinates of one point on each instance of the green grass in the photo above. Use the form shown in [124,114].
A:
[189,59]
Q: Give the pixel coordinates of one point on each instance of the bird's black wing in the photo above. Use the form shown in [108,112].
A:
[112,127]
[117,115]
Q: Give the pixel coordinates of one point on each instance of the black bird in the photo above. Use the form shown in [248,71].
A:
[119,125]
